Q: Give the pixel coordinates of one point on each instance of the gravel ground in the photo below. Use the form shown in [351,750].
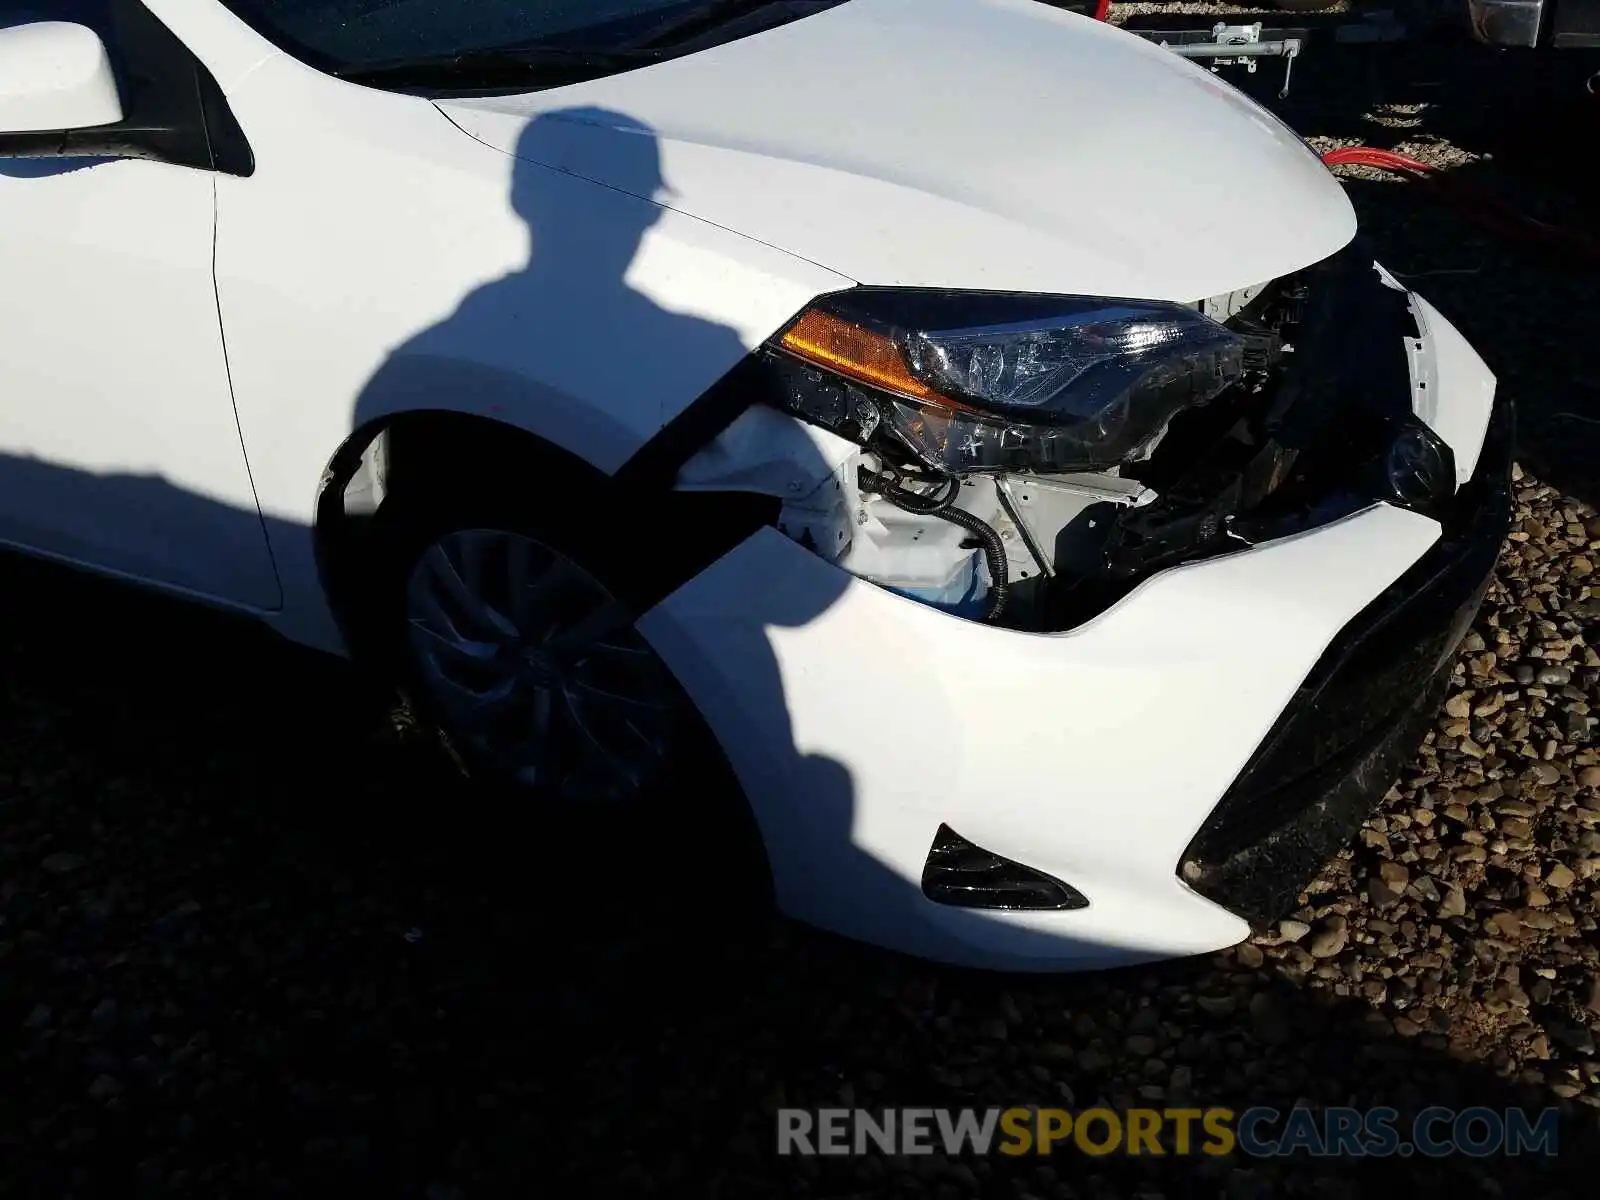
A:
[255,938]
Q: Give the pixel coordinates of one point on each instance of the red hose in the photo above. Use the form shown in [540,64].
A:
[1368,156]
[1102,10]
[1488,210]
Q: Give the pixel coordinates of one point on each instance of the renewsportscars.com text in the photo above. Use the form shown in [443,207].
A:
[1260,1132]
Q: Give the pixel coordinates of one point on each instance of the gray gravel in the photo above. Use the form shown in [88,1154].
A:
[255,939]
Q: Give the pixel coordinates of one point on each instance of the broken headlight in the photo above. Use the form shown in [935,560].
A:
[996,381]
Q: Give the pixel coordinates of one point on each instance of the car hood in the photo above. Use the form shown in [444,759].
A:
[997,144]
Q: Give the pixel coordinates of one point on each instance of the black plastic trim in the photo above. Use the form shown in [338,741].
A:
[1358,717]
[963,875]
[230,148]
[174,110]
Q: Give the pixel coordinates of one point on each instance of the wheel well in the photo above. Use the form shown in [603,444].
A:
[447,453]
[440,451]
[420,451]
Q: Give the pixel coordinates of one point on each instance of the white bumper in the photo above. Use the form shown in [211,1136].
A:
[858,721]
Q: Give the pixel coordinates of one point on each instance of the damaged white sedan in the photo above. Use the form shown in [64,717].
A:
[988,425]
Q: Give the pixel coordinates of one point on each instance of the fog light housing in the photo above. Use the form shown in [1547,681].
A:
[1421,468]
[962,875]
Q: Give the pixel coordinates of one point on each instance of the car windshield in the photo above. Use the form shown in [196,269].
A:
[346,35]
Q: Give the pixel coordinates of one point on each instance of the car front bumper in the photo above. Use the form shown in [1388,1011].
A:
[1360,714]
[1165,759]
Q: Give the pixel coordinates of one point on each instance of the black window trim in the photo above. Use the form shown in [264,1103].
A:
[328,64]
[174,109]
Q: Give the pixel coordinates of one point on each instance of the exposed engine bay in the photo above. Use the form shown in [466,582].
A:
[1037,551]
[1272,452]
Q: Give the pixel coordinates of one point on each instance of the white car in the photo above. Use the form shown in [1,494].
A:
[985,422]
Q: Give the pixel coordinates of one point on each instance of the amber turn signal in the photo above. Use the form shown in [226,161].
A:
[857,353]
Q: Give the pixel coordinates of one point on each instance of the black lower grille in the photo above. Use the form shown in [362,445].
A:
[1358,715]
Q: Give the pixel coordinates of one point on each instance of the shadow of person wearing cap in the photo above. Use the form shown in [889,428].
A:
[570,323]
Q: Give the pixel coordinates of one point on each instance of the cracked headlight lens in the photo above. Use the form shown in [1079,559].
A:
[1003,381]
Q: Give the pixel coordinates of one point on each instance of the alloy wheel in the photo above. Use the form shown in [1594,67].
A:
[537,667]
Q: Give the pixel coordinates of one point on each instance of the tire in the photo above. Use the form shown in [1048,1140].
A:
[523,653]
[688,799]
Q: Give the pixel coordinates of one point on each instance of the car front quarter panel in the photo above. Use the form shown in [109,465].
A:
[379,261]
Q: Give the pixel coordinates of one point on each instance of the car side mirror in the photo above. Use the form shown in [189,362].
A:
[55,75]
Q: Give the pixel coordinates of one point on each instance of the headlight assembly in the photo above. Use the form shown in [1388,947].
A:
[971,382]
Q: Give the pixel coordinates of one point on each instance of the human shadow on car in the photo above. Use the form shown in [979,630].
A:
[573,302]
[331,966]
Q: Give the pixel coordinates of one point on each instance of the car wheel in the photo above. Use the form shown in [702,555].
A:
[510,632]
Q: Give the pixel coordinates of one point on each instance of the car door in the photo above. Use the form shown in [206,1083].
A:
[119,448]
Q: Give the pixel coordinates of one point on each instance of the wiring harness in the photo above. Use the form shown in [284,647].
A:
[940,503]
